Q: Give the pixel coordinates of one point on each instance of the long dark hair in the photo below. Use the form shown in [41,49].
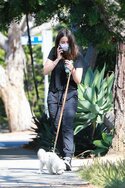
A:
[73,48]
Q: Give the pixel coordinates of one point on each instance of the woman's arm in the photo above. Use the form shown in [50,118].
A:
[50,64]
[77,75]
[76,72]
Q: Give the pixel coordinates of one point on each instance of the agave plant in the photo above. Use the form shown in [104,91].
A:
[43,131]
[95,99]
[103,144]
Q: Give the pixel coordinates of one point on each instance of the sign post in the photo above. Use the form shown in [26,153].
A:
[46,44]
[46,47]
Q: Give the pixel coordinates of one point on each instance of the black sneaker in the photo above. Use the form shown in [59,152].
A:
[67,161]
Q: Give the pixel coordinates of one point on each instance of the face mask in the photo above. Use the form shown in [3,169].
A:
[65,47]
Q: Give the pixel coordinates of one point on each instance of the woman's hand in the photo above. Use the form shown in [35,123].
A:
[69,64]
[59,53]
[76,72]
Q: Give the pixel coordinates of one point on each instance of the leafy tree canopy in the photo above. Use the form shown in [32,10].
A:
[99,21]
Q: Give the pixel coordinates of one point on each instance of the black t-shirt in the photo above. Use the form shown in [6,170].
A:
[59,77]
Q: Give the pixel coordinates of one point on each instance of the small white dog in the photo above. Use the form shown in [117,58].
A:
[53,163]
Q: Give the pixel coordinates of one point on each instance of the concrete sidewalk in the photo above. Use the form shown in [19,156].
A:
[19,166]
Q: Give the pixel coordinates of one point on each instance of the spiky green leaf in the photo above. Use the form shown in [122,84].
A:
[98,143]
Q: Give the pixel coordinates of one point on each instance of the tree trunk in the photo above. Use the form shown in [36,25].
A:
[12,87]
[118,144]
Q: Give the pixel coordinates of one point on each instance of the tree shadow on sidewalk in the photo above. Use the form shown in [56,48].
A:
[15,150]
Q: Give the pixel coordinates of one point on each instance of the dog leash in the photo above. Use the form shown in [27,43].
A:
[61,113]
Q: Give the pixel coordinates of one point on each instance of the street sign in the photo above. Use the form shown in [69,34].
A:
[34,40]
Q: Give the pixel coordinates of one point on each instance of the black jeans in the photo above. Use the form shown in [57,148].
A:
[65,142]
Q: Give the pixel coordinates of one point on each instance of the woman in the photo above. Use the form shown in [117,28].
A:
[65,56]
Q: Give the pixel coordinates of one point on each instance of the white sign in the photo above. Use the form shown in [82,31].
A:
[34,40]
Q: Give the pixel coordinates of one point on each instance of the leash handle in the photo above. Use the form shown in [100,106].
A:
[61,113]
